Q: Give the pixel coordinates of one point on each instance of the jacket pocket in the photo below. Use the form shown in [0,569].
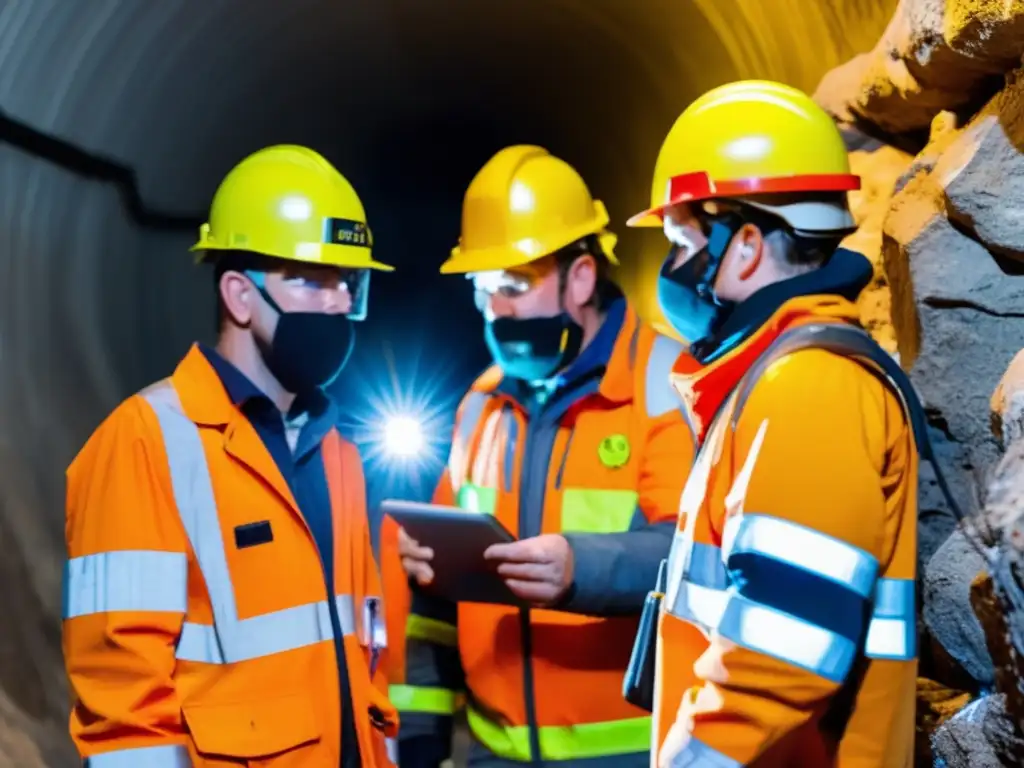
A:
[275,732]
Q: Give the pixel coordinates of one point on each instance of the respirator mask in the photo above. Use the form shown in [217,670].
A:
[530,349]
[686,291]
[309,349]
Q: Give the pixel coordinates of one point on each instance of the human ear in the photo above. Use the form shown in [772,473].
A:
[236,293]
[751,245]
[582,281]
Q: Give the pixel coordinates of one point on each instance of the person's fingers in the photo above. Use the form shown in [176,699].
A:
[405,539]
[413,550]
[525,571]
[409,547]
[532,591]
[419,570]
[515,552]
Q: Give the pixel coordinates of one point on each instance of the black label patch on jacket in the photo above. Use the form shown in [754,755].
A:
[252,534]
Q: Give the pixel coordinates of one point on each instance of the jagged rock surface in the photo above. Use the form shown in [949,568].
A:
[980,735]
[879,167]
[999,601]
[934,55]
[952,263]
[1007,404]
[936,704]
[1005,658]
[956,309]
[949,616]
[983,174]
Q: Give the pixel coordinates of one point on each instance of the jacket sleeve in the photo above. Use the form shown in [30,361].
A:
[434,680]
[806,528]
[125,591]
[613,572]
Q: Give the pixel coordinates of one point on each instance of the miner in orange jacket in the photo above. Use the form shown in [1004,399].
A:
[221,601]
[575,442]
[787,632]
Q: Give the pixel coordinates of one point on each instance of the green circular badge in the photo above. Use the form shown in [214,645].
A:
[614,451]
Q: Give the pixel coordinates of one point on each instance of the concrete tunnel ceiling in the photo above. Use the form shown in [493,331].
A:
[407,97]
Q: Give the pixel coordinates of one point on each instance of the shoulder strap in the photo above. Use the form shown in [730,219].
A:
[857,344]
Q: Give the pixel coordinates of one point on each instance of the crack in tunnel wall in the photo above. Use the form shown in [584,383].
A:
[144,106]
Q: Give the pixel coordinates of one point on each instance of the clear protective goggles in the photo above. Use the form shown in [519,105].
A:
[487,285]
[352,287]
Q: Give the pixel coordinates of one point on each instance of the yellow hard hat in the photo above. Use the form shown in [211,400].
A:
[754,138]
[522,205]
[288,202]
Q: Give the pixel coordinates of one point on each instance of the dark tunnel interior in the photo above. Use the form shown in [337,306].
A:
[121,116]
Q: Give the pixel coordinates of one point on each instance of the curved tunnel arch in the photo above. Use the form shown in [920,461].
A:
[407,98]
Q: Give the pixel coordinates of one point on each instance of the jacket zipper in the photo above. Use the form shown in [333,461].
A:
[534,421]
[354,758]
[525,629]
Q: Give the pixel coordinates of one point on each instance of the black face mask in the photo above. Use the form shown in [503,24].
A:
[308,349]
[686,294]
[533,349]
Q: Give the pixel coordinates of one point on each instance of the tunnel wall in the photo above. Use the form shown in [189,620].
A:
[407,98]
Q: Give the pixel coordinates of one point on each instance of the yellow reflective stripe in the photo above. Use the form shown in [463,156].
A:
[476,498]
[586,510]
[563,742]
[431,701]
[431,630]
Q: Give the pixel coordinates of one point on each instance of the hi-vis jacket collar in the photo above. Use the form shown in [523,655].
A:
[207,402]
[704,388]
[618,381]
[202,393]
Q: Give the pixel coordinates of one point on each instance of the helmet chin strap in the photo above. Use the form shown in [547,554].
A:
[723,229]
[259,279]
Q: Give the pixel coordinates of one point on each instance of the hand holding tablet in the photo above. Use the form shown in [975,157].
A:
[457,540]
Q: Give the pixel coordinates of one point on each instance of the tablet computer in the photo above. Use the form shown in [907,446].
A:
[458,539]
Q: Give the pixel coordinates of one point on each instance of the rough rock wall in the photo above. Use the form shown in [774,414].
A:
[941,216]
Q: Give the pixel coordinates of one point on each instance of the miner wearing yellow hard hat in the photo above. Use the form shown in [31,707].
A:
[221,597]
[574,441]
[787,634]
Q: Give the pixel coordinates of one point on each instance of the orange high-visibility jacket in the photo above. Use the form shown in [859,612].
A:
[185,650]
[787,635]
[604,466]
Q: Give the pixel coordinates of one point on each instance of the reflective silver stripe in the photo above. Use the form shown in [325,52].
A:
[892,633]
[705,599]
[785,637]
[171,756]
[700,597]
[472,407]
[703,606]
[696,754]
[193,494]
[126,580]
[230,639]
[658,392]
[802,547]
[391,745]
[706,567]
[268,633]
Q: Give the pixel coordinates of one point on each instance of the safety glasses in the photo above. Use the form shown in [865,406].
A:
[508,285]
[351,285]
